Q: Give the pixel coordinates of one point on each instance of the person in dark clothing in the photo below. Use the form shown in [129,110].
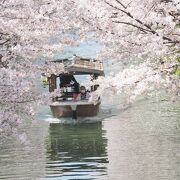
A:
[69,80]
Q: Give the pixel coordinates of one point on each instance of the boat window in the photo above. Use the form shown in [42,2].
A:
[83,80]
[67,79]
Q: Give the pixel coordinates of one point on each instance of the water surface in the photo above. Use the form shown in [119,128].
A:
[140,143]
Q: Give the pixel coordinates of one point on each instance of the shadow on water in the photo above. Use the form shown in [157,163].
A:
[76,151]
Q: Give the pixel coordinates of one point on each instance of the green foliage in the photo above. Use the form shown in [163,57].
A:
[177,25]
[177,72]
[175,58]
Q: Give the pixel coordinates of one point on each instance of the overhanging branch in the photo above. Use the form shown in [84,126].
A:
[128,23]
[149,29]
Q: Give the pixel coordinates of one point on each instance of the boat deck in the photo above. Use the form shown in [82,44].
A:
[82,108]
[73,103]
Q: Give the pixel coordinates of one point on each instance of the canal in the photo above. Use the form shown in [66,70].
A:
[141,142]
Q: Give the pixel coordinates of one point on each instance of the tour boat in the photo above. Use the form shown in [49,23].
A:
[74,100]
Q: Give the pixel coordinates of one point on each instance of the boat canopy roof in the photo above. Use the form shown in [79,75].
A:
[79,66]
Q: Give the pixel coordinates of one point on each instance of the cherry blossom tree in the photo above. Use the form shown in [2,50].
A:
[140,43]
[140,38]
[25,31]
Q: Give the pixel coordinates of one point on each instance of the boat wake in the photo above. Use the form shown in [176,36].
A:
[103,114]
[108,109]
[79,120]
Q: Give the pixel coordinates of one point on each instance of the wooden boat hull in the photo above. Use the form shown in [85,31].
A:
[82,110]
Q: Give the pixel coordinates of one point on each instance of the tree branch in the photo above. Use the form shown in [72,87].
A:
[4,42]
[119,9]
[107,32]
[149,29]
[121,4]
[138,27]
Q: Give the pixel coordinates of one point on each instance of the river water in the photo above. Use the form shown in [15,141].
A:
[141,142]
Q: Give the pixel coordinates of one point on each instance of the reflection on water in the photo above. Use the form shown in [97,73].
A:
[144,142]
[77,151]
[21,162]
[141,143]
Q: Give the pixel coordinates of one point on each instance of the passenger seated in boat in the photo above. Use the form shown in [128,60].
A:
[83,95]
[69,81]
[83,92]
